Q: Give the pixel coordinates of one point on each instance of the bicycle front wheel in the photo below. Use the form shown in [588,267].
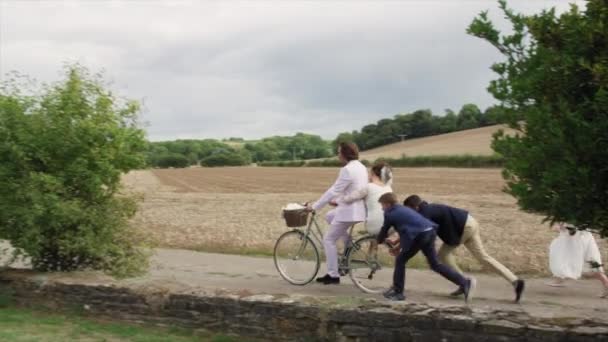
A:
[370,265]
[296,257]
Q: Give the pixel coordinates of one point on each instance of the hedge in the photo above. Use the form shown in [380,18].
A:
[464,161]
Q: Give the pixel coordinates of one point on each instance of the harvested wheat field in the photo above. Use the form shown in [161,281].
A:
[473,141]
[238,210]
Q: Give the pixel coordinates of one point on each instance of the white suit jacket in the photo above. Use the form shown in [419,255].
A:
[353,177]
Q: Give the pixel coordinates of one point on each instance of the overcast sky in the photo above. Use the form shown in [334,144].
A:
[207,69]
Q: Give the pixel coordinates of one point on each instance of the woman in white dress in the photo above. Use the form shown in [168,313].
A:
[574,253]
[380,181]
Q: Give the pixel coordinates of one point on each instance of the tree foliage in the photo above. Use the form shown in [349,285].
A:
[236,151]
[183,153]
[227,157]
[297,147]
[63,150]
[553,82]
[422,123]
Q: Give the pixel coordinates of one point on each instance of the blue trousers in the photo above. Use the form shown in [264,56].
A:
[424,242]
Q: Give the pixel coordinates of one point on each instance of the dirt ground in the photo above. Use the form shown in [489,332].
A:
[238,210]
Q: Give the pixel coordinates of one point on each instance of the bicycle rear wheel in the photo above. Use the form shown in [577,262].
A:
[370,265]
[296,257]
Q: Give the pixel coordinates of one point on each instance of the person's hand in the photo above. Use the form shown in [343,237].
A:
[333,203]
[308,207]
[394,251]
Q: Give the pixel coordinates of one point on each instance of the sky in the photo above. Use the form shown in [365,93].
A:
[218,69]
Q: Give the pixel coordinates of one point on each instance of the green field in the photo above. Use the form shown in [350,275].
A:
[17,324]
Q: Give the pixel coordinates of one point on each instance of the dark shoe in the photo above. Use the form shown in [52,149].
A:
[389,291]
[395,297]
[469,289]
[393,293]
[323,278]
[328,280]
[457,293]
[520,286]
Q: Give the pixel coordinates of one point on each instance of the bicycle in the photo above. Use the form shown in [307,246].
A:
[297,259]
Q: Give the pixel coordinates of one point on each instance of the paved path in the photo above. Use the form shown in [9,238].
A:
[188,271]
[259,276]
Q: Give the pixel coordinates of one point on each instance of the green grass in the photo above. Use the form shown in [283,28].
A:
[21,325]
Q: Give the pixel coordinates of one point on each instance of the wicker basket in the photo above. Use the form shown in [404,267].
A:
[295,218]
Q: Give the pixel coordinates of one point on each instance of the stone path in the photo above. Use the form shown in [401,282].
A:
[194,272]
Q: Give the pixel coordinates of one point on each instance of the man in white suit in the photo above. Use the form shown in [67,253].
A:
[353,177]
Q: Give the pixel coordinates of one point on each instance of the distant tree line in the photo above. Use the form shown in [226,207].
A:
[276,150]
[235,151]
[422,123]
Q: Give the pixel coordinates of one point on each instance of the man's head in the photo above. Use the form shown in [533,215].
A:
[347,152]
[413,202]
[388,200]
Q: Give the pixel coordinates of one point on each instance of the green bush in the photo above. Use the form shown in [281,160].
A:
[294,163]
[465,161]
[227,158]
[62,153]
[324,163]
[171,160]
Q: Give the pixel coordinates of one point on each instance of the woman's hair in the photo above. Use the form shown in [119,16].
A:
[349,151]
[383,171]
[388,198]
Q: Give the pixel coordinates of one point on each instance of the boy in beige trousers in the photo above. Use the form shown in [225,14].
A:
[457,227]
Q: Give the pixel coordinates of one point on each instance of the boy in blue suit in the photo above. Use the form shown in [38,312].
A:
[416,233]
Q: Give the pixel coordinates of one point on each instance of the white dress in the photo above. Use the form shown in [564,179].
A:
[375,214]
[570,255]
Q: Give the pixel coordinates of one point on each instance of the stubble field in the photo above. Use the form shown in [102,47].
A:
[238,210]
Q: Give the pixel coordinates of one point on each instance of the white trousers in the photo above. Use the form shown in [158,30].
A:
[337,231]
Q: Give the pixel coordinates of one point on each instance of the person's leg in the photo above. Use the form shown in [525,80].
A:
[601,276]
[409,248]
[336,231]
[466,285]
[475,246]
[428,249]
[446,257]
[345,237]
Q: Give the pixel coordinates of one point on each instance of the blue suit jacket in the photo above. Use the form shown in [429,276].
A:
[406,221]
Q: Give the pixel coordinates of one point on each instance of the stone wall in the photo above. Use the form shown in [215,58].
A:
[296,319]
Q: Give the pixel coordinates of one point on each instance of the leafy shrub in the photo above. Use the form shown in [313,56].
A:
[171,160]
[227,158]
[293,163]
[62,153]
[466,161]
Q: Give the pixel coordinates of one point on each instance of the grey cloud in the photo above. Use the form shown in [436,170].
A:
[253,69]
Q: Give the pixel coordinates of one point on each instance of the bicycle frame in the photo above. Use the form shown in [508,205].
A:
[316,234]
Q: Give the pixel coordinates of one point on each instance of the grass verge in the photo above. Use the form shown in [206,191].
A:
[21,325]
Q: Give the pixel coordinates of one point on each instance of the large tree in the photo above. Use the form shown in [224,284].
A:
[63,150]
[553,84]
